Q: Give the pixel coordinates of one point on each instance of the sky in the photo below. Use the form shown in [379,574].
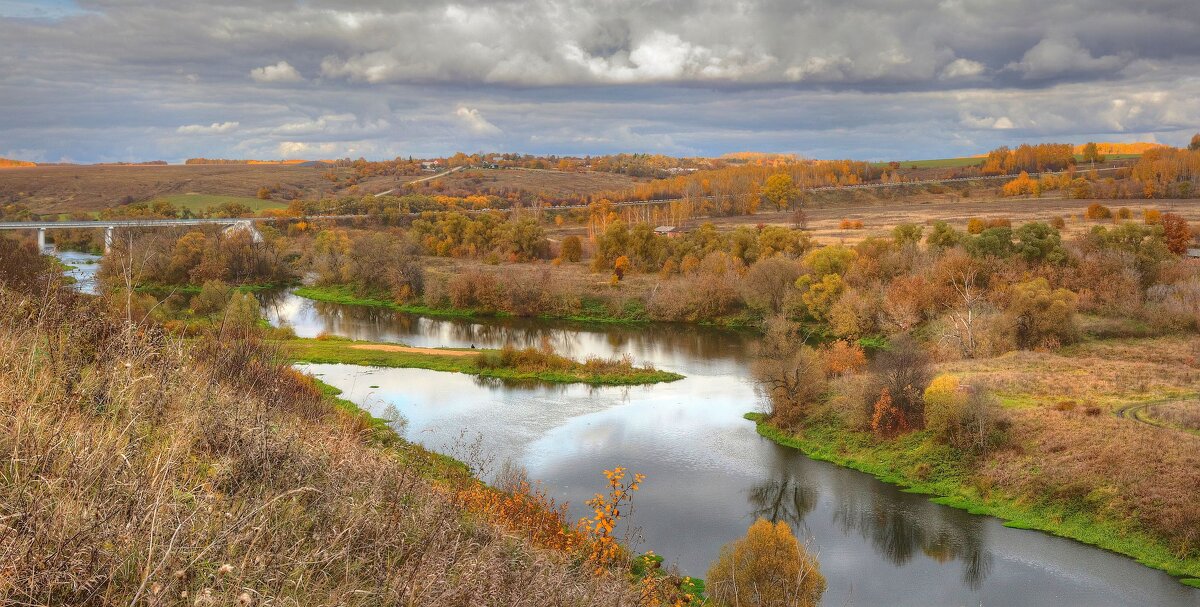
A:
[131,80]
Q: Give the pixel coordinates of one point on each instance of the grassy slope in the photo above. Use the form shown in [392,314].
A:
[340,351]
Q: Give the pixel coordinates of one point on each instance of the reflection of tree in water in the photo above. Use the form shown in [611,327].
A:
[898,528]
[783,499]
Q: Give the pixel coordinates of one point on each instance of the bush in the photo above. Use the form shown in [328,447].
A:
[1041,317]
[1097,211]
[767,568]
[975,225]
[212,298]
[967,417]
[572,249]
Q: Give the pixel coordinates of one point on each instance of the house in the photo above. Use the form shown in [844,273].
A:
[670,231]
[1192,254]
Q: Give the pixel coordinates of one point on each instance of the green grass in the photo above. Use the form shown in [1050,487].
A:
[201,202]
[344,294]
[334,351]
[920,465]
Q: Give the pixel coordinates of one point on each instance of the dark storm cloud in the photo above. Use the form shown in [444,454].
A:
[116,79]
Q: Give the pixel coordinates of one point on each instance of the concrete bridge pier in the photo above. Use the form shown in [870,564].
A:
[41,240]
[108,238]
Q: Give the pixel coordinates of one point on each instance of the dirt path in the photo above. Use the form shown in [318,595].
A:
[434,351]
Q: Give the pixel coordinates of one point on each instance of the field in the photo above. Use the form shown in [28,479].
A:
[553,184]
[880,216]
[67,189]
[199,202]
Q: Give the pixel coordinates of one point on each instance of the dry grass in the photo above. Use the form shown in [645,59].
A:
[139,470]
[1075,451]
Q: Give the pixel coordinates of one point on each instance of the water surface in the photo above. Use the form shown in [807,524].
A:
[708,473]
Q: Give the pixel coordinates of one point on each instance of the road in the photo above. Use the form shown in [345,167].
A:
[421,180]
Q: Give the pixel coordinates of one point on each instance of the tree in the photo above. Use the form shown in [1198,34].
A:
[1091,153]
[780,191]
[264,193]
[241,314]
[1176,233]
[572,249]
[1195,143]
[766,568]
[992,242]
[967,417]
[768,282]
[965,302]
[903,372]
[790,374]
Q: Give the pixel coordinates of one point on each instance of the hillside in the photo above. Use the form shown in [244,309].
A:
[147,470]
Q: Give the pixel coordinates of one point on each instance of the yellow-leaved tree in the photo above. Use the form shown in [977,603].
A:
[768,567]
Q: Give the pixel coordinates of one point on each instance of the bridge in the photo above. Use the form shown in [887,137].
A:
[110,225]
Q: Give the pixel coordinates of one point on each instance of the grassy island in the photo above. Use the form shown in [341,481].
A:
[506,363]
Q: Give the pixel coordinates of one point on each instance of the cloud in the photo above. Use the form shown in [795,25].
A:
[822,78]
[475,122]
[961,68]
[216,128]
[1056,56]
[281,72]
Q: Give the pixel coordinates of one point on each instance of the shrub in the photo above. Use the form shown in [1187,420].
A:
[572,249]
[1124,213]
[907,233]
[212,298]
[943,236]
[851,224]
[1151,216]
[1039,242]
[975,225]
[1058,221]
[967,417]
[1041,317]
[767,568]
[1097,211]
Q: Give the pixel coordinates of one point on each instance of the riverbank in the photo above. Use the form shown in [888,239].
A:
[498,364]
[591,310]
[920,465]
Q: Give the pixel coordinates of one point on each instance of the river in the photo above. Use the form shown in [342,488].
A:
[708,473]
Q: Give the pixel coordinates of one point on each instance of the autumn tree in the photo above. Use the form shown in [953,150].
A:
[1194,145]
[766,568]
[1091,153]
[780,191]
[1176,233]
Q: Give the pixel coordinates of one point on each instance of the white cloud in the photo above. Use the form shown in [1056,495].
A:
[216,128]
[281,72]
[475,122]
[961,69]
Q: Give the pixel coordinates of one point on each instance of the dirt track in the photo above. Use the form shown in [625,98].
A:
[434,351]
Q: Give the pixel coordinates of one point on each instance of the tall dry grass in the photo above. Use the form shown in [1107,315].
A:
[141,469]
